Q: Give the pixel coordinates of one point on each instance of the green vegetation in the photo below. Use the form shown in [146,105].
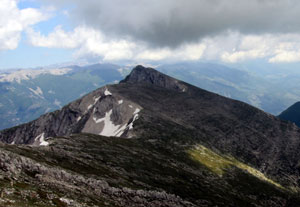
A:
[218,163]
[211,160]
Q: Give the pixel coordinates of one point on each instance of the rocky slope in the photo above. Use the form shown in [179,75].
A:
[99,112]
[231,127]
[91,170]
[188,147]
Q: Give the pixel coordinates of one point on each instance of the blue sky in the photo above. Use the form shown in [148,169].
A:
[43,32]
[27,55]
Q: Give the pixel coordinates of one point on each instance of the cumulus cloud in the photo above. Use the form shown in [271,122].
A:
[86,41]
[228,47]
[90,42]
[13,21]
[230,31]
[170,23]
[275,48]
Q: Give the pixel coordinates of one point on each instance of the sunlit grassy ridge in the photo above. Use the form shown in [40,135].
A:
[218,163]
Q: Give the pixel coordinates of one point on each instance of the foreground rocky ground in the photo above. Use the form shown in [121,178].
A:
[90,170]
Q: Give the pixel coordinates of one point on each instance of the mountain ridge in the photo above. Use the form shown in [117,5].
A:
[292,114]
[182,142]
[42,92]
[143,75]
[77,111]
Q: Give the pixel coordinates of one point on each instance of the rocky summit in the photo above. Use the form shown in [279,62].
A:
[151,140]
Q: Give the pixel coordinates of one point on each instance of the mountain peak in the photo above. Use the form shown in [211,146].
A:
[143,75]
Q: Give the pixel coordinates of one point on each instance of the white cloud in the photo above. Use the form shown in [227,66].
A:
[287,49]
[234,47]
[102,36]
[173,23]
[90,42]
[228,47]
[57,39]
[285,56]
[86,40]
[14,20]
[249,47]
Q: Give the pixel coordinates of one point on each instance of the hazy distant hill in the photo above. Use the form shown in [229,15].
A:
[292,114]
[271,93]
[26,94]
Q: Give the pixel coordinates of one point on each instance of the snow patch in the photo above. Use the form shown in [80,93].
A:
[137,110]
[38,92]
[79,118]
[51,92]
[120,102]
[61,71]
[57,103]
[105,118]
[121,70]
[130,106]
[66,200]
[107,93]
[47,110]
[96,99]
[90,106]
[135,117]
[41,140]
[13,142]
[20,75]
[109,129]
[121,130]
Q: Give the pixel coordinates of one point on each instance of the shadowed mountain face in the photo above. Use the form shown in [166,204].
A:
[99,112]
[141,75]
[229,126]
[204,148]
[292,114]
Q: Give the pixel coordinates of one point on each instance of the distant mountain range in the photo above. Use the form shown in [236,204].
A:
[268,90]
[152,140]
[27,94]
[292,114]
